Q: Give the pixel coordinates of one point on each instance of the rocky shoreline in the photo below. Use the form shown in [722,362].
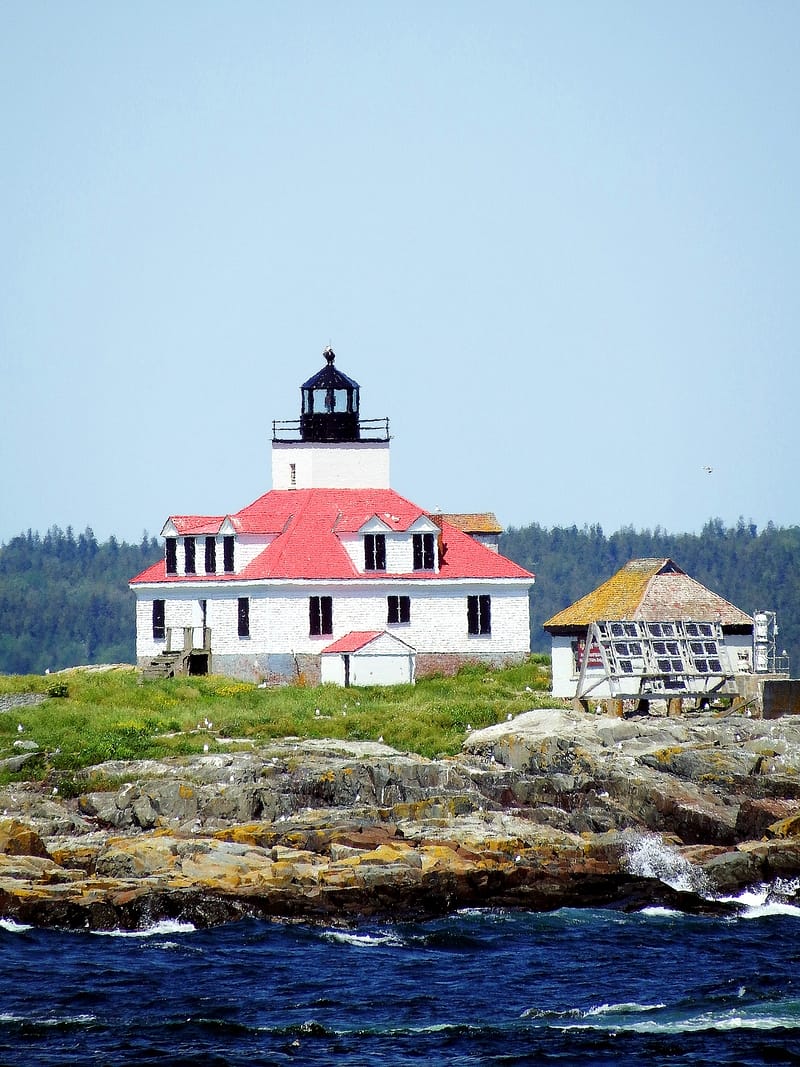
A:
[554,808]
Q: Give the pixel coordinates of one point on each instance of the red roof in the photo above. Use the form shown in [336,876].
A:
[304,524]
[352,642]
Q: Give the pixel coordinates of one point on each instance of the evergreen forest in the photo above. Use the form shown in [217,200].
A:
[755,570]
[64,600]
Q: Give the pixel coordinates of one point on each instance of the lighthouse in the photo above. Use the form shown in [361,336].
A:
[330,446]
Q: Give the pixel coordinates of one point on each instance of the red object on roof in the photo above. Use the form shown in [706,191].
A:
[354,641]
[304,524]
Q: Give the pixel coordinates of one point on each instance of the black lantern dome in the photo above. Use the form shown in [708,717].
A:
[330,405]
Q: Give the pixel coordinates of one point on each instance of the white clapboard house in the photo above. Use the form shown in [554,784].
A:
[331,575]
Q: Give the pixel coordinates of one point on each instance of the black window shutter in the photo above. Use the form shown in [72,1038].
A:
[313,615]
[428,560]
[227,550]
[472,615]
[188,548]
[486,613]
[211,555]
[405,609]
[369,552]
[417,540]
[327,614]
[172,555]
[159,629]
[244,616]
[380,552]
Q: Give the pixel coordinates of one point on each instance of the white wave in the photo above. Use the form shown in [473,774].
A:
[623,1008]
[494,915]
[13,927]
[362,940]
[649,856]
[165,926]
[775,907]
[48,1020]
[759,1017]
[769,898]
[669,913]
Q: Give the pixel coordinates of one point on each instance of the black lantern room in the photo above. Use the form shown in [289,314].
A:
[330,405]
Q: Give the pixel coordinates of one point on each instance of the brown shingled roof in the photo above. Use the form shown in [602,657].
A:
[651,589]
[474,522]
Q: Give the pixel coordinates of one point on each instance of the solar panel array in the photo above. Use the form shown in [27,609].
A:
[667,657]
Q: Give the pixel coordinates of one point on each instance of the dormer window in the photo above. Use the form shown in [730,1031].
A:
[188,550]
[171,555]
[423,552]
[374,552]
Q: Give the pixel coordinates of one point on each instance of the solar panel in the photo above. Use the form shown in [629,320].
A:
[637,658]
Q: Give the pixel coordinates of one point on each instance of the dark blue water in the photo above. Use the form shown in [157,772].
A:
[571,987]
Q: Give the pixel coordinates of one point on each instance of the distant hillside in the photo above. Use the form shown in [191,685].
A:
[754,570]
[64,600]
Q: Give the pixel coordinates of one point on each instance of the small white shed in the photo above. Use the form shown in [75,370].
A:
[368,657]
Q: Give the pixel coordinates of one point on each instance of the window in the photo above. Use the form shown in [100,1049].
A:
[211,555]
[479,614]
[227,554]
[375,552]
[399,609]
[320,615]
[159,629]
[423,552]
[188,548]
[293,474]
[244,616]
[172,555]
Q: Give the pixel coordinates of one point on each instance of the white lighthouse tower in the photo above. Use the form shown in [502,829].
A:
[330,446]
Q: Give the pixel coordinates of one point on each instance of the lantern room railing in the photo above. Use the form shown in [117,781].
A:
[368,430]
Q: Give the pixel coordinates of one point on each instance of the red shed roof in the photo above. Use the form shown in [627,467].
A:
[304,524]
[354,641]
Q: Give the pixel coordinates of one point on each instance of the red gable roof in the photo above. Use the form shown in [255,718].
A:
[304,524]
[353,641]
[188,525]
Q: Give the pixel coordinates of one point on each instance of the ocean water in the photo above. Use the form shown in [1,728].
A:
[479,987]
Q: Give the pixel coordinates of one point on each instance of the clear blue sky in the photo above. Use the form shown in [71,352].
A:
[557,244]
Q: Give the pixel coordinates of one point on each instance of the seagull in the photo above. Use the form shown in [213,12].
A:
[20,728]
[708,470]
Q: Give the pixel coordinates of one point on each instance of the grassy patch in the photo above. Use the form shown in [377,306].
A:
[112,715]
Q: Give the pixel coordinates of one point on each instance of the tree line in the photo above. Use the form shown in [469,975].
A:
[755,570]
[64,599]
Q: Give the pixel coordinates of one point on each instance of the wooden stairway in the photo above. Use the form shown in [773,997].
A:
[165,665]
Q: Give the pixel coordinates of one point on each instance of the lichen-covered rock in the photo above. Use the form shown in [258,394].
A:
[19,839]
[538,812]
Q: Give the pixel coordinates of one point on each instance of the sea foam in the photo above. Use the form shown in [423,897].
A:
[164,926]
[649,856]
